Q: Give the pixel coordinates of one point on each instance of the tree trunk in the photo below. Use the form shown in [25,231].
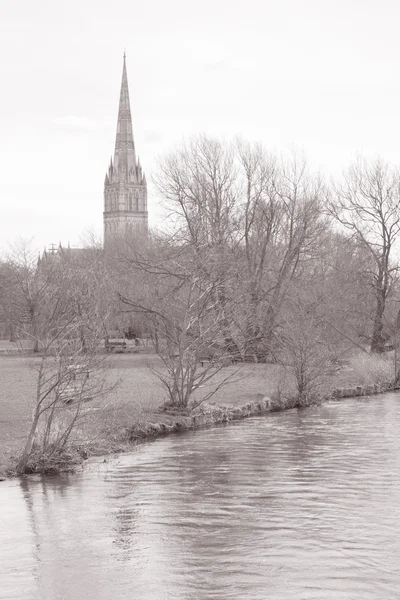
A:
[29,445]
[156,341]
[377,340]
[253,331]
[83,339]
[230,346]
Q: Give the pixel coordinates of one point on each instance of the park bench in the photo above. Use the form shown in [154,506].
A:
[115,345]
[222,360]
[204,360]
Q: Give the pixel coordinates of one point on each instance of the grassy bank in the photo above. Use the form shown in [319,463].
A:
[126,438]
[134,403]
[133,411]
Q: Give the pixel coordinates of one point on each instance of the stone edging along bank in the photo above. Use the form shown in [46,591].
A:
[212,414]
[215,414]
[366,390]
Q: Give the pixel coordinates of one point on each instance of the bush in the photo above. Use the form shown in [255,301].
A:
[371,368]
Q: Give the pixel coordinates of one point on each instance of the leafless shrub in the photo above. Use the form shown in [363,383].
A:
[369,368]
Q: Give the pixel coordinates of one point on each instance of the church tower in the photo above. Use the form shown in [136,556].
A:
[125,187]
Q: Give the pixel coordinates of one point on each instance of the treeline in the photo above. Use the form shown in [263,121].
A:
[258,249]
[259,259]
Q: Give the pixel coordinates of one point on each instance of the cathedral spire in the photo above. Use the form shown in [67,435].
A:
[125,189]
[124,155]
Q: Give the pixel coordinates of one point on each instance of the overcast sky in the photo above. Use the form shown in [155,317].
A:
[319,74]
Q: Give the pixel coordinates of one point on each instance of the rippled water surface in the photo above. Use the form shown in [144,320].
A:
[299,505]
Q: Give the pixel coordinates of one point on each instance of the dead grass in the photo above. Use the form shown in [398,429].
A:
[369,369]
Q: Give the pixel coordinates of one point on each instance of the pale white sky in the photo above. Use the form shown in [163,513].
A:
[320,74]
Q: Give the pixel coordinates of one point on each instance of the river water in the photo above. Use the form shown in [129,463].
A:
[298,505]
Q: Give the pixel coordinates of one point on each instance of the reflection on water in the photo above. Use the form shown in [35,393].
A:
[299,505]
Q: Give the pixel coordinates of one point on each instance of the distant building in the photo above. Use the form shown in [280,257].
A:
[125,187]
[57,254]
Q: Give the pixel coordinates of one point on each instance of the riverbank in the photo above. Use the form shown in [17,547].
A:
[133,414]
[163,423]
[214,414]
[132,405]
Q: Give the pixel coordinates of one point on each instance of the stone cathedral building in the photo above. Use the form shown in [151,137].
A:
[125,187]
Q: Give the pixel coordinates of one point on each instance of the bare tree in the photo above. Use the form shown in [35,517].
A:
[25,290]
[259,224]
[342,276]
[367,205]
[252,218]
[68,377]
[173,291]
[196,352]
[59,307]
[307,346]
[198,184]
[281,223]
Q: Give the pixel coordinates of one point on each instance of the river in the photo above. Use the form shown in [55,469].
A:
[298,505]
